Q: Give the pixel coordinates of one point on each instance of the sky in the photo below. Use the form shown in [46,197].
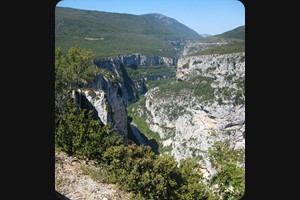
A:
[203,16]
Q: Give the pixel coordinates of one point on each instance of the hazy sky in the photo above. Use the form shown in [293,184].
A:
[203,16]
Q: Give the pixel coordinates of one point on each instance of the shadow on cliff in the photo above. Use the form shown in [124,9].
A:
[152,142]
[59,196]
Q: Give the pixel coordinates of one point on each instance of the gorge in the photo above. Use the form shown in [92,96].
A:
[172,90]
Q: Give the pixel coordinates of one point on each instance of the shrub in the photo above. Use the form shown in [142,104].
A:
[192,186]
[230,176]
[78,133]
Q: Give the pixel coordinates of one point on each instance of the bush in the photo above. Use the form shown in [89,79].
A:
[230,176]
[78,133]
[139,170]
[192,187]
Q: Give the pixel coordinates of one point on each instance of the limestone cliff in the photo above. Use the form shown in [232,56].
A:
[110,92]
[104,98]
[132,89]
[206,104]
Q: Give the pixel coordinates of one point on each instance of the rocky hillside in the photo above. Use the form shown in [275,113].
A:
[109,93]
[104,97]
[204,105]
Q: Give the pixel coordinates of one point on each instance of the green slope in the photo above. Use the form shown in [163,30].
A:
[112,34]
[232,41]
[237,33]
[170,28]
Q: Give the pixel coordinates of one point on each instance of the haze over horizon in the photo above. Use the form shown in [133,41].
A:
[203,16]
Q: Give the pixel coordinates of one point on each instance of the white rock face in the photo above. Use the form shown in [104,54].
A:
[190,125]
[99,101]
[135,60]
[107,101]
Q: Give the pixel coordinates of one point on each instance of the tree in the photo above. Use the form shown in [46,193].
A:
[76,132]
[80,68]
[192,181]
[72,71]
[165,178]
[229,181]
[139,170]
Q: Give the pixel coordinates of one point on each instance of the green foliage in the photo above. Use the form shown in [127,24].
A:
[231,182]
[72,70]
[230,176]
[166,149]
[126,165]
[192,180]
[220,154]
[166,178]
[75,68]
[76,132]
[148,71]
[139,121]
[157,83]
[138,169]
[149,176]
[200,86]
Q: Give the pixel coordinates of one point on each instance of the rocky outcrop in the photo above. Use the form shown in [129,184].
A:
[104,98]
[190,124]
[97,101]
[216,66]
[133,61]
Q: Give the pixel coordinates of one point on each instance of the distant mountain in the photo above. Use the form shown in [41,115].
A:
[232,41]
[170,27]
[237,33]
[111,34]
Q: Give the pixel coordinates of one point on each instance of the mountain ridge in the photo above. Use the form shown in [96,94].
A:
[111,34]
[236,33]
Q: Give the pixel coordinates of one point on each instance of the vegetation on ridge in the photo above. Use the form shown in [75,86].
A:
[113,34]
[235,47]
